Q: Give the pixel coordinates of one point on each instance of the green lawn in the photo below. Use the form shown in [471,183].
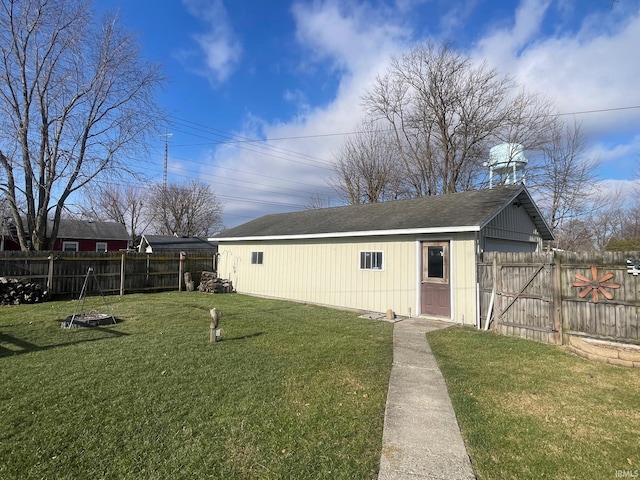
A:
[530,411]
[292,391]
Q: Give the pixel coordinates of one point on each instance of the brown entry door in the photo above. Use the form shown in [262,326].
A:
[435,294]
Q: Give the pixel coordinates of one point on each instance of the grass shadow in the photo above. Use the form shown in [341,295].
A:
[23,346]
[244,337]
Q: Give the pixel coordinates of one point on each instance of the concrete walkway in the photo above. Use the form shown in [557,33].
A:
[421,438]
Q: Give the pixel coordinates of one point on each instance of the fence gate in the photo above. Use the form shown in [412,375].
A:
[517,295]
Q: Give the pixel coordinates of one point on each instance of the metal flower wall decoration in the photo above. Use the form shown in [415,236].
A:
[595,285]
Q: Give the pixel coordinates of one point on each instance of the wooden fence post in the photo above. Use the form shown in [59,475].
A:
[180,270]
[122,275]
[498,304]
[556,303]
[494,271]
[50,276]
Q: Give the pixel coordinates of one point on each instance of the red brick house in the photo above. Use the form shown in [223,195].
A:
[78,236]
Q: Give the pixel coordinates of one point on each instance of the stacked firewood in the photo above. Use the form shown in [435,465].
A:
[15,292]
[210,283]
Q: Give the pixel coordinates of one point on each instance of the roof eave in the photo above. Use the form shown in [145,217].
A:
[368,233]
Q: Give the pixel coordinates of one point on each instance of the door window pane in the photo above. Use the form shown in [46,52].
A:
[435,258]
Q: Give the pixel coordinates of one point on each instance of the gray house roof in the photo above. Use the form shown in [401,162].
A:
[170,243]
[83,229]
[455,212]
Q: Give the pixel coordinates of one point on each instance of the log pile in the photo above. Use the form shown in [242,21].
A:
[15,292]
[210,283]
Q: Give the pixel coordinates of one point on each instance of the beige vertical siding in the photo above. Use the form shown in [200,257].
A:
[328,272]
[463,279]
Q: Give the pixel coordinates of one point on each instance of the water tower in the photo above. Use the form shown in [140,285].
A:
[507,161]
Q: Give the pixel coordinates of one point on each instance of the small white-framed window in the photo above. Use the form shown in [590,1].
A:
[70,247]
[257,258]
[101,247]
[371,260]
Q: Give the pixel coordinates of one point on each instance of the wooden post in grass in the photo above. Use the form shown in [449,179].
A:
[215,320]
[180,270]
[50,276]
[122,274]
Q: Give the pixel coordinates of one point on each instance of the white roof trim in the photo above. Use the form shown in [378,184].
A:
[369,233]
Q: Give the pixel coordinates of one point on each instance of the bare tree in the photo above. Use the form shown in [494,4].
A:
[189,209]
[5,224]
[125,204]
[631,223]
[575,235]
[445,113]
[603,220]
[621,221]
[367,167]
[317,201]
[75,95]
[564,180]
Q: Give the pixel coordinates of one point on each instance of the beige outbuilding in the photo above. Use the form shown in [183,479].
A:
[413,257]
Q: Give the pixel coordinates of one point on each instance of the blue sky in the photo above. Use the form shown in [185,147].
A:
[291,73]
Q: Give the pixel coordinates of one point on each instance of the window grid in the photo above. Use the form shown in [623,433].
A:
[257,258]
[70,247]
[371,260]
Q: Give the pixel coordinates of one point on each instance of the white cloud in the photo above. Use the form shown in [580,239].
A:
[500,47]
[219,45]
[592,66]
[357,42]
[617,192]
[350,34]
[456,17]
[588,66]
[503,44]
[595,68]
[623,154]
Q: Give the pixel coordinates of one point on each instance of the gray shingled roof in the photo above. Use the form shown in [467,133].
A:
[83,229]
[171,243]
[454,211]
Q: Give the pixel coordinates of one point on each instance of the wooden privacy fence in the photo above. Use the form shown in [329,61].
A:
[63,273]
[549,297]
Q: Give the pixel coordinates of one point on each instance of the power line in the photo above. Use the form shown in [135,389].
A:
[284,154]
[240,139]
[259,175]
[236,139]
[232,139]
[276,188]
[298,193]
[152,166]
[602,110]
[106,183]
[277,152]
[262,152]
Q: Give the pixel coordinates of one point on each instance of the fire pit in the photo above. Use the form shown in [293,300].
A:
[91,319]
